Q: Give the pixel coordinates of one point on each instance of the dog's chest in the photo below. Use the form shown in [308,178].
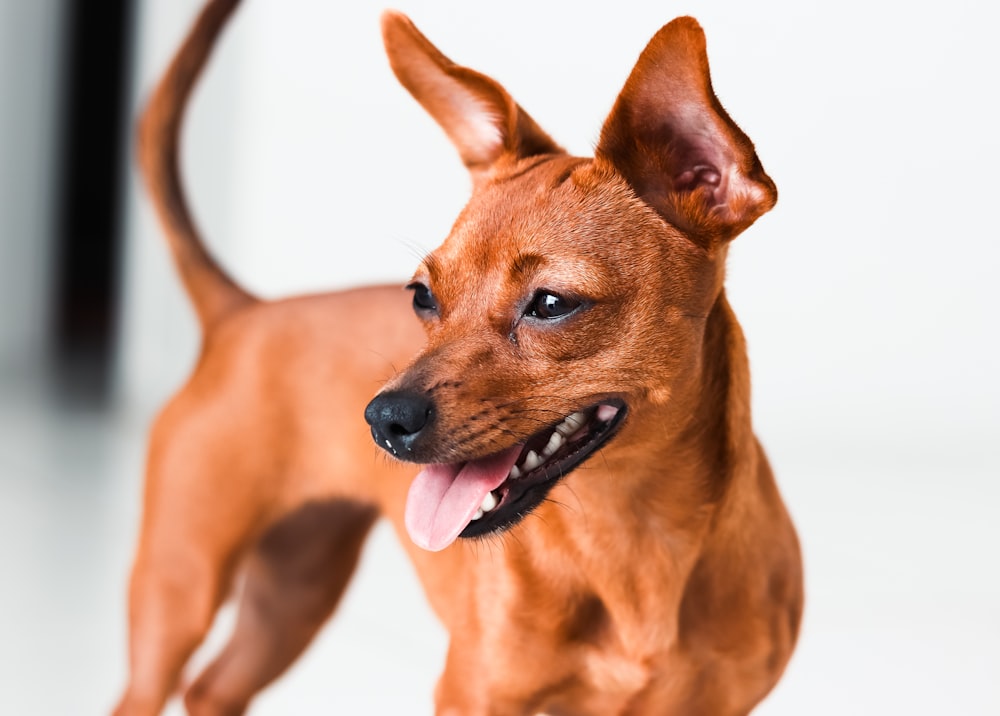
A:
[587,654]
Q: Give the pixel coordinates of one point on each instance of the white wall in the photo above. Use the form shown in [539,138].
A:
[866,294]
[30,33]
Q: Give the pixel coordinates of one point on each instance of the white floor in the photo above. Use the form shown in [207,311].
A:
[901,545]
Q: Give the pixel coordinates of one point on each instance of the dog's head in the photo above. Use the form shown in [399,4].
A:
[571,293]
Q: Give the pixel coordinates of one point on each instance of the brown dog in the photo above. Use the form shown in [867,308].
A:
[575,360]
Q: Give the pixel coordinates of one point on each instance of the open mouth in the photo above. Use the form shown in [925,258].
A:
[493,493]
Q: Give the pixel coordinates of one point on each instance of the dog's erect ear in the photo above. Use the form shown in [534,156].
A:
[671,139]
[481,119]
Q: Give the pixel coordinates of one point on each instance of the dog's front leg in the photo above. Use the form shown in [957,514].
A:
[476,682]
[466,696]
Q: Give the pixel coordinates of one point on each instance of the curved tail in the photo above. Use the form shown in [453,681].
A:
[214,293]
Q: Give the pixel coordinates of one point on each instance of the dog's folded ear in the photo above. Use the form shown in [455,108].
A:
[478,115]
[673,142]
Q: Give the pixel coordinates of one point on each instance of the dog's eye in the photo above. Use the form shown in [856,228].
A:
[550,305]
[423,299]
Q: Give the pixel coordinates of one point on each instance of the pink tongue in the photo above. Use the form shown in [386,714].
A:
[443,498]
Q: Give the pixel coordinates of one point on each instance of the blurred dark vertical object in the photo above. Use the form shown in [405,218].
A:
[88,230]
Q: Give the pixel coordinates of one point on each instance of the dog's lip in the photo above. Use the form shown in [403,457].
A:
[519,494]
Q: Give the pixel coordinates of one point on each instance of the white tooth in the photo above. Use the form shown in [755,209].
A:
[479,513]
[515,472]
[606,412]
[489,502]
[555,442]
[571,424]
[531,461]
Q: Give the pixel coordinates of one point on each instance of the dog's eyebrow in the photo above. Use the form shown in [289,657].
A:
[579,275]
[433,267]
[524,264]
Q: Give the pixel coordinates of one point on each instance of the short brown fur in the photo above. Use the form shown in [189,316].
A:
[661,577]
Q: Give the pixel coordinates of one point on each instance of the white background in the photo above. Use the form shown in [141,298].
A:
[868,296]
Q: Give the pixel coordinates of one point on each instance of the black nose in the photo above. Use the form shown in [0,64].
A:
[397,418]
